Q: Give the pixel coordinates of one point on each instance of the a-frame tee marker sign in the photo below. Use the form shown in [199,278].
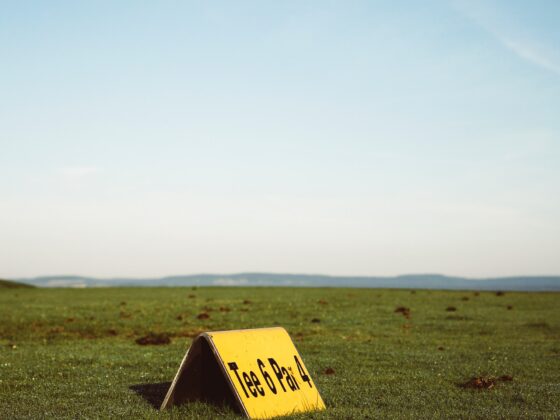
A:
[257,371]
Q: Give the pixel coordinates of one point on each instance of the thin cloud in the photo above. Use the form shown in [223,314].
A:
[508,36]
[530,53]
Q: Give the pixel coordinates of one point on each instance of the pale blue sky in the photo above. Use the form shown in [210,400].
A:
[341,137]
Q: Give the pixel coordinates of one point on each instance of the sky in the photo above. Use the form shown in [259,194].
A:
[144,139]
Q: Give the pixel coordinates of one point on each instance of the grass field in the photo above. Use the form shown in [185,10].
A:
[70,353]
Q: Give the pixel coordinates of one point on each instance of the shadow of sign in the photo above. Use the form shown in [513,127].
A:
[152,393]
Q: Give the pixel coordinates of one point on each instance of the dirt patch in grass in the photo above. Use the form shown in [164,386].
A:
[451,309]
[500,293]
[154,339]
[509,307]
[540,324]
[329,371]
[56,330]
[247,302]
[322,302]
[315,320]
[224,309]
[299,336]
[404,311]
[36,325]
[485,382]
[203,315]
[465,298]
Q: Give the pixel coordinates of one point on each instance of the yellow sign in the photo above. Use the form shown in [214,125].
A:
[259,372]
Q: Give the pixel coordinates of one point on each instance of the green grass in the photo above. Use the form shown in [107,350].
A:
[70,353]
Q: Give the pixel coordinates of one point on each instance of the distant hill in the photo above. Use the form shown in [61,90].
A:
[411,281]
[8,284]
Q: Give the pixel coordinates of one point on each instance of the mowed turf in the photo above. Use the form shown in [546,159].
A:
[70,353]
